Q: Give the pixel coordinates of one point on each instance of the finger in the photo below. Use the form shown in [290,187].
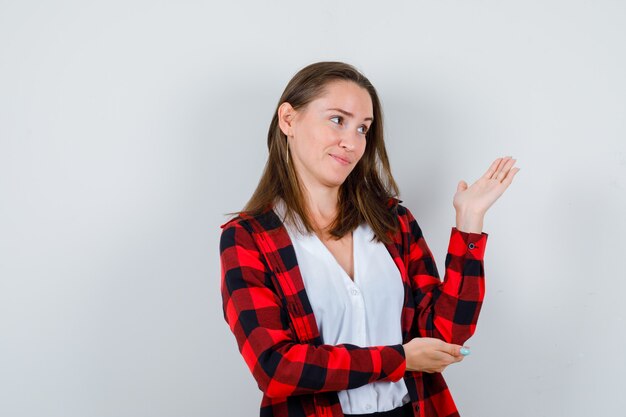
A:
[440,366]
[509,164]
[501,163]
[451,349]
[448,359]
[492,169]
[438,358]
[509,178]
[506,169]
[498,175]
[452,359]
[501,171]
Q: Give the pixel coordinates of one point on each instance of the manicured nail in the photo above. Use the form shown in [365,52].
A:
[465,351]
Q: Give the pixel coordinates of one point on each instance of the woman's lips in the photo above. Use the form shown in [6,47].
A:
[340,159]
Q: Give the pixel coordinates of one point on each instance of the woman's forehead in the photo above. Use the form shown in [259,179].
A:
[346,96]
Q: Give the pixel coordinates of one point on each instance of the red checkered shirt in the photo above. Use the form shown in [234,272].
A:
[267,309]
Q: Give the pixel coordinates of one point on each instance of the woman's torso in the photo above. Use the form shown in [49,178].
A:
[364,309]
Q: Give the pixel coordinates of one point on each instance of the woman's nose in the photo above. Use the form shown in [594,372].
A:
[347,146]
[347,143]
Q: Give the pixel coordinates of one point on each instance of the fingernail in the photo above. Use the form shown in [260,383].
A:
[465,351]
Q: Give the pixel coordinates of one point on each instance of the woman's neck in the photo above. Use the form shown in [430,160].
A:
[322,205]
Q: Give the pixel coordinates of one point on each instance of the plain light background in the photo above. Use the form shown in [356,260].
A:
[128,129]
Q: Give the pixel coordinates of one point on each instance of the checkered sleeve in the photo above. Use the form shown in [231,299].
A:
[280,365]
[447,309]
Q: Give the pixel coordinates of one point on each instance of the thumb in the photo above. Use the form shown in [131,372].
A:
[462,186]
[458,351]
[452,349]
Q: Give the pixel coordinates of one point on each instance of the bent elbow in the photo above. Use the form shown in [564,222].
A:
[277,390]
[272,388]
[270,369]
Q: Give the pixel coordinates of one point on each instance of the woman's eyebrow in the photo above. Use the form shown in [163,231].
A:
[347,113]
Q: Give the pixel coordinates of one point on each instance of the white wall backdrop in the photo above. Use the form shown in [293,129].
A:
[128,128]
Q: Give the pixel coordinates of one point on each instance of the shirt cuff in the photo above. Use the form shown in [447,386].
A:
[395,364]
[467,244]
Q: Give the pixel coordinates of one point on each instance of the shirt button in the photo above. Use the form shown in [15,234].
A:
[354,291]
[368,407]
[471,246]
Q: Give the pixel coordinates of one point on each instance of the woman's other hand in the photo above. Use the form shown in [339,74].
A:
[427,354]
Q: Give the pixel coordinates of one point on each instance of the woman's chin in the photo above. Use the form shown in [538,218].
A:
[333,182]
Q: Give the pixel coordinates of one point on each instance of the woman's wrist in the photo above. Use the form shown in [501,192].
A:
[469,222]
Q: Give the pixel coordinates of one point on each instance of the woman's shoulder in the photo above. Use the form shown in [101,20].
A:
[238,231]
[407,222]
[233,221]
[263,221]
[395,205]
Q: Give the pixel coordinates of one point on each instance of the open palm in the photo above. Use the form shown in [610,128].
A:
[479,196]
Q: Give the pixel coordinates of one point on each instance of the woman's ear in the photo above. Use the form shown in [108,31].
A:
[286,114]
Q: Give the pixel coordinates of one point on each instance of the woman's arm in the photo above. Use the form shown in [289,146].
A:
[281,365]
[447,310]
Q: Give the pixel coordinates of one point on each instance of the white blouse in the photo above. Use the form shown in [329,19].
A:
[363,312]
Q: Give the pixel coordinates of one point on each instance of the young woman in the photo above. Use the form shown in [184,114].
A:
[328,285]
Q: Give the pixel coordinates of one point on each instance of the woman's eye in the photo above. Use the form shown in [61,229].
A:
[336,117]
[364,131]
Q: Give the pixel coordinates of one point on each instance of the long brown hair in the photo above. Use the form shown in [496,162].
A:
[365,193]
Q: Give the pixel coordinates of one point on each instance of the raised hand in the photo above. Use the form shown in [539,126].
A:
[478,197]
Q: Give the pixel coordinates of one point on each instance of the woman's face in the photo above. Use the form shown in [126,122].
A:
[327,137]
